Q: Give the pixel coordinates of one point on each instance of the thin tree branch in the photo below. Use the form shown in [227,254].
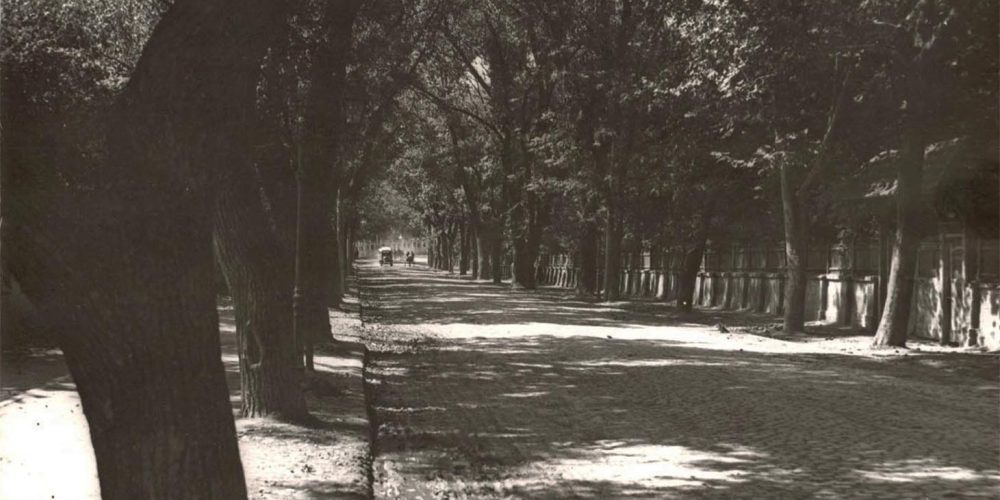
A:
[466,61]
[445,105]
[820,165]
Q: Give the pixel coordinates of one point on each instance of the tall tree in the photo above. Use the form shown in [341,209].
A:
[122,265]
[253,246]
[258,270]
[390,43]
[323,123]
[802,114]
[944,58]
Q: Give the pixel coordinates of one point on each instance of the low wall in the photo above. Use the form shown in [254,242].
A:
[833,298]
[558,276]
[864,295]
[926,312]
[989,315]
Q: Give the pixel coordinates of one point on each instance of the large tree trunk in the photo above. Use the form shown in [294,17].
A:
[463,259]
[335,276]
[452,251]
[347,265]
[474,252]
[487,241]
[893,326]
[442,257]
[322,124]
[613,224]
[259,275]
[430,254]
[521,220]
[436,244]
[921,43]
[586,283]
[134,312]
[124,269]
[444,263]
[449,242]
[612,258]
[528,262]
[795,247]
[473,243]
[474,225]
[431,242]
[689,274]
[445,252]
[497,260]
[532,243]
[520,276]
[483,247]
[311,320]
[335,284]
[523,275]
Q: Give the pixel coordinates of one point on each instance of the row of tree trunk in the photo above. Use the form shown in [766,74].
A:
[125,268]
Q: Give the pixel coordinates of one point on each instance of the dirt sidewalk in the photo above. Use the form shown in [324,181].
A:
[45,449]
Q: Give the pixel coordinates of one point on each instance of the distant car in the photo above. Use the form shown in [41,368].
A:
[386,258]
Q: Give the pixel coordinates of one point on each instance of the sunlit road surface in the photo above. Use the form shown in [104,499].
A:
[482,392]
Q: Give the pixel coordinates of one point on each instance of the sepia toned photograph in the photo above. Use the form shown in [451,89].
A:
[499,249]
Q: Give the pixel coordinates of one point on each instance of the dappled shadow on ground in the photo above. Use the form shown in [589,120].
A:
[564,416]
[418,295]
[33,368]
[605,419]
[45,448]
[324,457]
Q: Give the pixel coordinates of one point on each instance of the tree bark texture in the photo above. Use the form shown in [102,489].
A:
[689,274]
[431,243]
[323,124]
[795,252]
[488,242]
[259,274]
[586,284]
[442,251]
[449,246]
[528,274]
[894,324]
[523,272]
[497,260]
[311,322]
[335,277]
[463,259]
[920,46]
[474,253]
[123,270]
[612,257]
[347,265]
[483,267]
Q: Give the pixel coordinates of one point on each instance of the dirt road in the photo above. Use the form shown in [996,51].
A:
[481,392]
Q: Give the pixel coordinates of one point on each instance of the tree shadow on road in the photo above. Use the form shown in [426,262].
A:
[419,296]
[586,417]
[318,458]
[595,416]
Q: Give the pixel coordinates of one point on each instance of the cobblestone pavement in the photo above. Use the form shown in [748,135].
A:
[480,392]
